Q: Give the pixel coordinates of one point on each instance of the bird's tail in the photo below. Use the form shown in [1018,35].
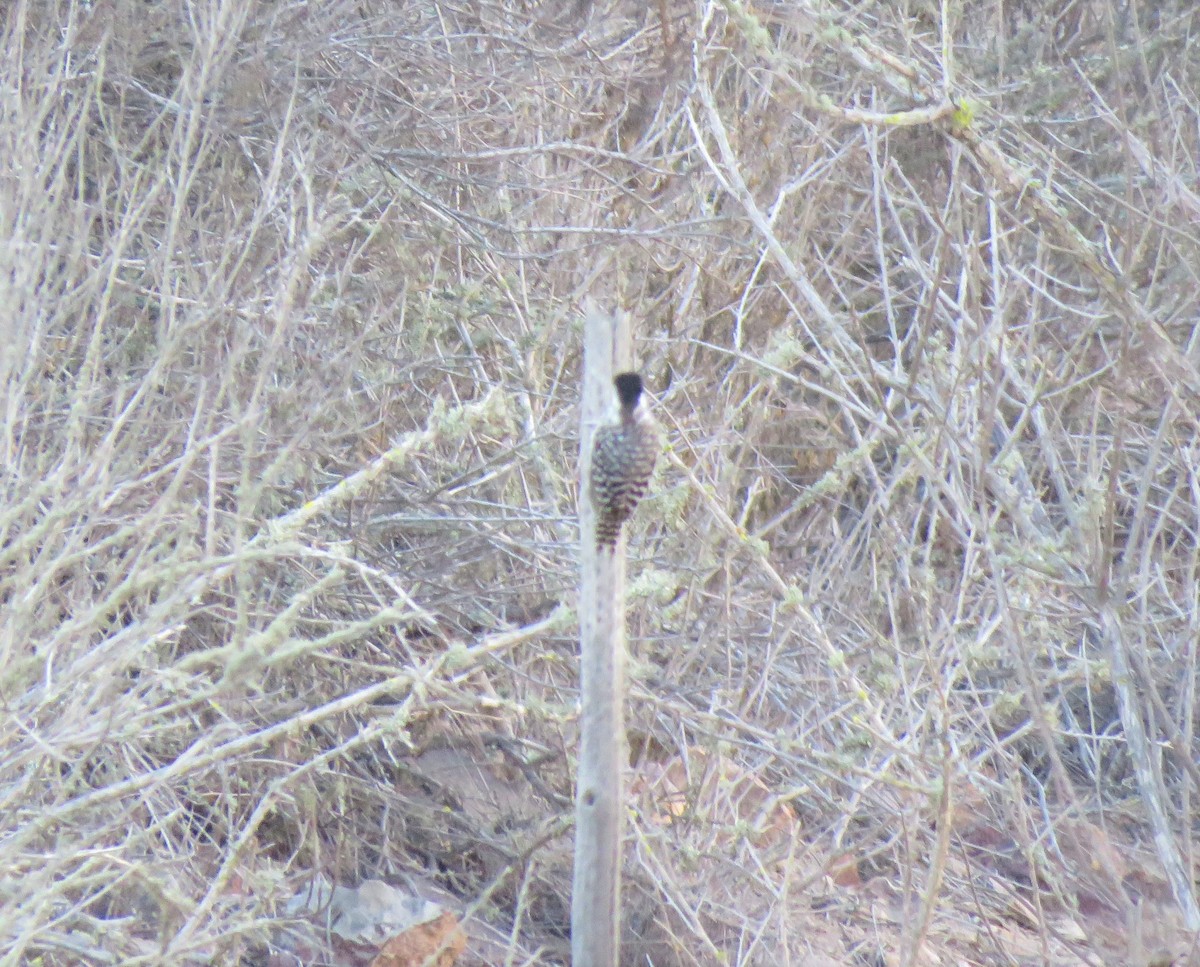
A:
[607,532]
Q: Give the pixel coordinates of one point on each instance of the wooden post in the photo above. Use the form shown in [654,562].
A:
[600,792]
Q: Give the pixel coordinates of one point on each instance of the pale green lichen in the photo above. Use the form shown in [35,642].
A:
[964,114]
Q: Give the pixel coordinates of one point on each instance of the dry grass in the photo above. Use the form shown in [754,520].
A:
[289,360]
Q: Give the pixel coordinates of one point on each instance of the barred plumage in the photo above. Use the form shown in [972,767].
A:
[623,458]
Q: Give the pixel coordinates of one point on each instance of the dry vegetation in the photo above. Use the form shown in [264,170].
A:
[290,356]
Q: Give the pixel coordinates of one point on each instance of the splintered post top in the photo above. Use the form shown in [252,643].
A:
[629,389]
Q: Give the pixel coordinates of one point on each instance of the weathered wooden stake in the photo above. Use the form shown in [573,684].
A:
[600,796]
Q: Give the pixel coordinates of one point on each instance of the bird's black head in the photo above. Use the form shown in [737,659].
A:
[629,389]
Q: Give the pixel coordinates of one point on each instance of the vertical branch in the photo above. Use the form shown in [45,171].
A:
[599,800]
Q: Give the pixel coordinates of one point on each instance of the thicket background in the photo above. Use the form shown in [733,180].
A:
[289,342]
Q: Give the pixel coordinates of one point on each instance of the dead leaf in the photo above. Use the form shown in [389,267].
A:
[417,946]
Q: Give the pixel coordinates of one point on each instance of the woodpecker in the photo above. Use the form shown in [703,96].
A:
[623,457]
